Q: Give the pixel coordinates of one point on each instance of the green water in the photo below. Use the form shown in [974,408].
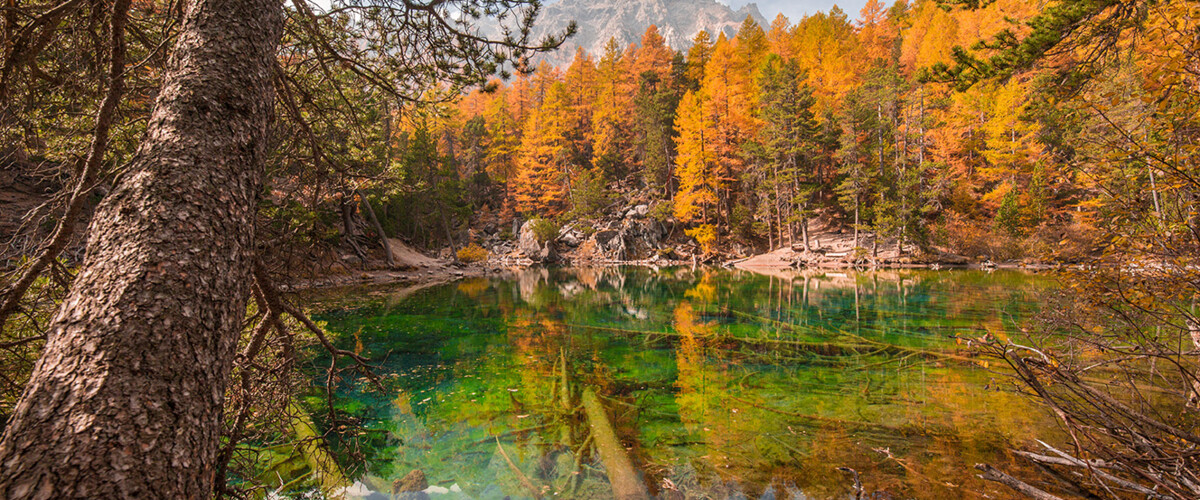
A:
[718,383]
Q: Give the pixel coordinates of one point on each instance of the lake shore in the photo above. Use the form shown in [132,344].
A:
[776,263]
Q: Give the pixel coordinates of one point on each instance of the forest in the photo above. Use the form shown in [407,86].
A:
[854,122]
[172,172]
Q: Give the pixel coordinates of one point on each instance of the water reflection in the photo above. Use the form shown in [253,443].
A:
[717,383]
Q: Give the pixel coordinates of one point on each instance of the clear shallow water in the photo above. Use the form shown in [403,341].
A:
[717,383]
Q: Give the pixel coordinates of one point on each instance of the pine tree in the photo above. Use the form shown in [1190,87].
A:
[868,152]
[789,143]
[504,140]
[654,121]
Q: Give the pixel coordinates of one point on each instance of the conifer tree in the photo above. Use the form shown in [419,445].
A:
[542,167]
[696,163]
[654,122]
[697,58]
[504,140]
[610,140]
[788,137]
[779,37]
[728,102]
[580,80]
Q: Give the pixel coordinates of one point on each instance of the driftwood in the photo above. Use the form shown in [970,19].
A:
[1092,466]
[993,474]
[623,477]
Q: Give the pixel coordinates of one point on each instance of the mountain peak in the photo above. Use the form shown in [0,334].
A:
[626,20]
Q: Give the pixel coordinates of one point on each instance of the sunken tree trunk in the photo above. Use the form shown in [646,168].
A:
[126,400]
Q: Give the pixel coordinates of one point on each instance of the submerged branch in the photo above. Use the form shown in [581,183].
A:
[993,474]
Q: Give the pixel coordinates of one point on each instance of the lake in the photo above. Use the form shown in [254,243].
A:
[713,383]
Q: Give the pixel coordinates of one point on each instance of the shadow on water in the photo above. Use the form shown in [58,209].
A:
[714,384]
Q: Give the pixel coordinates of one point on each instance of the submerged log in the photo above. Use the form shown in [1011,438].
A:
[624,478]
[311,445]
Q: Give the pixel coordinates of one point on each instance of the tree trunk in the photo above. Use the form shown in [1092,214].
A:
[804,231]
[351,232]
[126,400]
[383,240]
[856,221]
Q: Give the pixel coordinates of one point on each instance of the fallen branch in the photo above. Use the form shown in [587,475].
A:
[537,493]
[1092,466]
[993,474]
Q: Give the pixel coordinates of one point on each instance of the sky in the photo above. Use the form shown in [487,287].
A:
[796,9]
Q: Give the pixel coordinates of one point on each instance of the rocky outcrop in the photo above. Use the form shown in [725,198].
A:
[625,239]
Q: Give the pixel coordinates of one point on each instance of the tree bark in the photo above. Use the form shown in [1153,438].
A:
[126,400]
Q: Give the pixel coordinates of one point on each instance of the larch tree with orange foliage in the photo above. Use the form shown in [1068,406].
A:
[696,162]
[610,139]
[729,106]
[542,167]
[697,58]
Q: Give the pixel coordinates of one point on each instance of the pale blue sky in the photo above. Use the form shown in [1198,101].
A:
[796,9]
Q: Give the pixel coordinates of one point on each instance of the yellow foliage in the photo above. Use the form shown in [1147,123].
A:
[705,235]
[472,253]
[543,152]
[696,162]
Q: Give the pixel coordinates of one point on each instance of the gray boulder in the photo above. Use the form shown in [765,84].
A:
[527,241]
[528,244]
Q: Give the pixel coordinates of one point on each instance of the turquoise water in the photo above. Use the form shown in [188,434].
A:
[717,383]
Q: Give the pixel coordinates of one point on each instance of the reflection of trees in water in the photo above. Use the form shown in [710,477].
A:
[717,377]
